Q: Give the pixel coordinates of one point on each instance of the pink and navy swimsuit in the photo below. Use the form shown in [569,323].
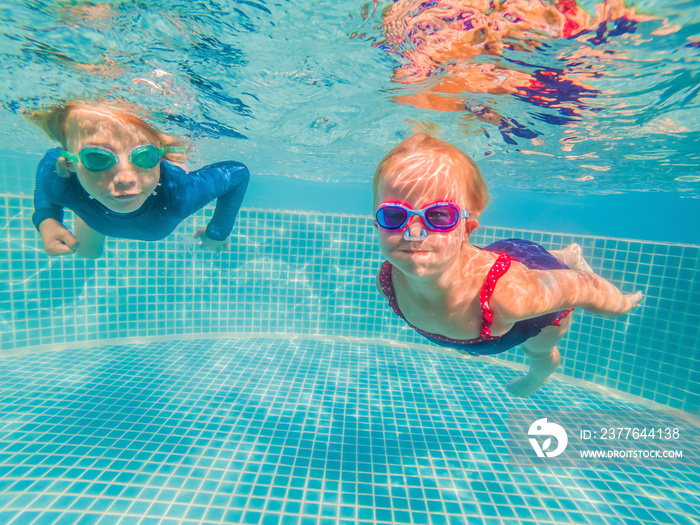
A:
[534,257]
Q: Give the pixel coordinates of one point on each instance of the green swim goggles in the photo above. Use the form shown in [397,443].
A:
[98,159]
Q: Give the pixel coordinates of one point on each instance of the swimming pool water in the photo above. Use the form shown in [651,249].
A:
[297,430]
[304,90]
[271,384]
[313,274]
[278,413]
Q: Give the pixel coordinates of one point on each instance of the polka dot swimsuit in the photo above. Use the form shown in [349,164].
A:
[486,343]
[499,268]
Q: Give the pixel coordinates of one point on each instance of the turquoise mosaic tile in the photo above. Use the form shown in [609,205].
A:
[296,273]
[297,431]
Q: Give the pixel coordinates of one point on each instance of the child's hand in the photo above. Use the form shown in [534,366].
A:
[631,300]
[56,238]
[210,244]
[627,302]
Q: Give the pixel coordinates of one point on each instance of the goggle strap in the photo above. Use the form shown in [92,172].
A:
[171,149]
[72,157]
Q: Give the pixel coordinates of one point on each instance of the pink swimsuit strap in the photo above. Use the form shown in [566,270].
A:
[499,268]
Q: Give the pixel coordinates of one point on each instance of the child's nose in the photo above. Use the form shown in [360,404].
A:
[416,224]
[125,175]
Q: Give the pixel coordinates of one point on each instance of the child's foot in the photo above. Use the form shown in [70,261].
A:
[573,258]
[540,369]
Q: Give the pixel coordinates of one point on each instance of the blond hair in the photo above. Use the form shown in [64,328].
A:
[426,148]
[54,122]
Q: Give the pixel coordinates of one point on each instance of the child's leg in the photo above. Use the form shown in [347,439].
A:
[90,242]
[544,359]
[572,257]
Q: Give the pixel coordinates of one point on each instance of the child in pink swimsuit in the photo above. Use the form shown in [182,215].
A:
[428,195]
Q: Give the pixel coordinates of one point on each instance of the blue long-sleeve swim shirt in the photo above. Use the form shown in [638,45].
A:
[178,195]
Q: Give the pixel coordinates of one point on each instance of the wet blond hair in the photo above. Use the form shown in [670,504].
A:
[424,149]
[54,122]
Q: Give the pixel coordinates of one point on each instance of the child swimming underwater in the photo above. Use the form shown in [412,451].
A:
[109,172]
[428,195]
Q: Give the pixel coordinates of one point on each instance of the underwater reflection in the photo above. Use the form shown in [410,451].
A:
[459,50]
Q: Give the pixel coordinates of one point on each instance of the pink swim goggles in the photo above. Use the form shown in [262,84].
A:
[441,216]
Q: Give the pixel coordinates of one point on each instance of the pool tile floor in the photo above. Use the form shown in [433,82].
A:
[297,431]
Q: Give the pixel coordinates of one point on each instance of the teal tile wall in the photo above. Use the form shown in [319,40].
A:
[292,273]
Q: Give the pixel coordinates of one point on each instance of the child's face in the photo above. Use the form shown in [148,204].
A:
[417,187]
[124,187]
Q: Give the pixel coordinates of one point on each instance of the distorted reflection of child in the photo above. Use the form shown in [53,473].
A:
[120,177]
[454,48]
[428,196]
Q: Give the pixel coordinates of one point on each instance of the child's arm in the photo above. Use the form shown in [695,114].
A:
[211,244]
[225,181]
[523,294]
[44,207]
[90,242]
[48,216]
